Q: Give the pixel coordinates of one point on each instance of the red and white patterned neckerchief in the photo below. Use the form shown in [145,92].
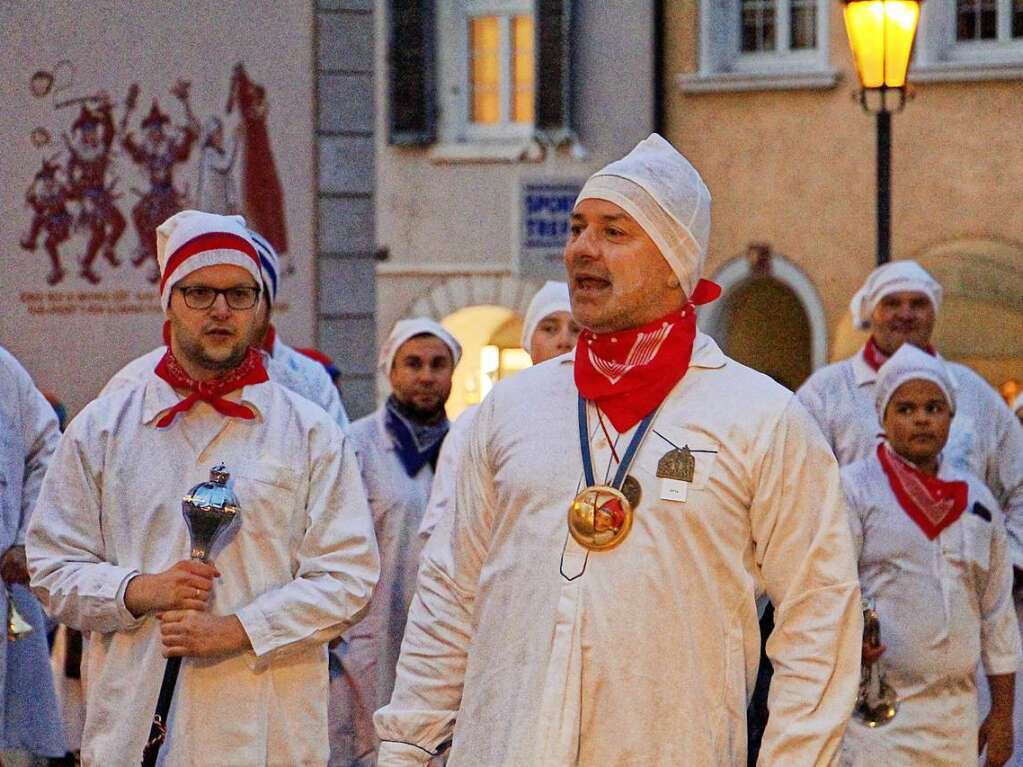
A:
[932,503]
[628,373]
[250,371]
[875,358]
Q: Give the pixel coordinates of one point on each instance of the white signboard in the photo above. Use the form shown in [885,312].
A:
[115,115]
[545,213]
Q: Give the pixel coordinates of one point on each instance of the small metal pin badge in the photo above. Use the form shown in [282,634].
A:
[678,464]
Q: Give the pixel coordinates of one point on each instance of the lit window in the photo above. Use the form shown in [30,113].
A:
[501,80]
[497,364]
[485,78]
[522,69]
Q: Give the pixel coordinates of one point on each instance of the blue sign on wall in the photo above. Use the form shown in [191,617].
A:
[546,209]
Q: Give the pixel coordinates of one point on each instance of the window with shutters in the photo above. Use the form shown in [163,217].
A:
[494,93]
[969,39]
[480,79]
[762,44]
[411,82]
[500,68]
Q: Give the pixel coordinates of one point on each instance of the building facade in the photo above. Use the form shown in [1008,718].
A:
[262,109]
[490,116]
[759,96]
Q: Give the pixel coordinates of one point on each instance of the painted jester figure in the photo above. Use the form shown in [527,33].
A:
[590,598]
[158,152]
[87,170]
[48,196]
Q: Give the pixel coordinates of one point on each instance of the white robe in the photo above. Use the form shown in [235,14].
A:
[369,652]
[530,651]
[442,492]
[986,439]
[298,570]
[29,714]
[316,384]
[945,605]
[287,367]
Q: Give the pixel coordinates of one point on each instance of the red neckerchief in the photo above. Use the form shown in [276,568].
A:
[932,503]
[875,358]
[628,373]
[268,340]
[251,371]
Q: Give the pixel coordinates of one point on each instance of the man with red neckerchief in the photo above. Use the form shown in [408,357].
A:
[934,564]
[284,364]
[108,547]
[589,600]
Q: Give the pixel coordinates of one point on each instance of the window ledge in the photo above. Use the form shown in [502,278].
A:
[962,71]
[520,150]
[778,80]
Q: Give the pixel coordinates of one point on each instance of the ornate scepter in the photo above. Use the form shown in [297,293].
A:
[209,509]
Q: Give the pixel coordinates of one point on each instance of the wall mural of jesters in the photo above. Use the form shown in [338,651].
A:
[114,118]
[74,197]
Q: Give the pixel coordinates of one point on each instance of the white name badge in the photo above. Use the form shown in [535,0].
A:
[674,490]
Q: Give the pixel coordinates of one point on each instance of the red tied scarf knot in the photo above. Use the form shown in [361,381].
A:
[212,392]
[932,503]
[628,373]
[875,358]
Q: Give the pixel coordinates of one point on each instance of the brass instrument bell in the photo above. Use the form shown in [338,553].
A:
[17,626]
[877,703]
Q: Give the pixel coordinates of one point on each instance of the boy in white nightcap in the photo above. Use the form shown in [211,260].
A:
[108,548]
[589,600]
[934,563]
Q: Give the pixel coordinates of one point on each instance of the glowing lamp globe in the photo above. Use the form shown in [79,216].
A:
[881,35]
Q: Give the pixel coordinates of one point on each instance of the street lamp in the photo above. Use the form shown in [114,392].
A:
[881,35]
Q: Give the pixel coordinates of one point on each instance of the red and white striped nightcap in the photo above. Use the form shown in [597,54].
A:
[192,239]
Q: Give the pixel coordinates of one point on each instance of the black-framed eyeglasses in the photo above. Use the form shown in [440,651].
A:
[203,297]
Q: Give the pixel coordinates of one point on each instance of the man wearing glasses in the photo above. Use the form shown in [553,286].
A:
[284,364]
[108,547]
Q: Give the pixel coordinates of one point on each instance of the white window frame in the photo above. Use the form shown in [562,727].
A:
[456,126]
[940,56]
[724,66]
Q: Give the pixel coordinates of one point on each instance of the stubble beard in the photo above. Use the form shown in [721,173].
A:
[425,415]
[196,354]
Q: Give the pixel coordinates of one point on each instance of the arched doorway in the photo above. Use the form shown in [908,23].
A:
[484,312]
[489,336]
[769,317]
[764,326]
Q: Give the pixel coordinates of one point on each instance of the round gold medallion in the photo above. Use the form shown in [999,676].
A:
[600,518]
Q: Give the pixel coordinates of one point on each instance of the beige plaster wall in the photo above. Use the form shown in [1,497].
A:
[796,168]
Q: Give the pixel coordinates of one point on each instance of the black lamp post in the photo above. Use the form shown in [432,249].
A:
[881,35]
